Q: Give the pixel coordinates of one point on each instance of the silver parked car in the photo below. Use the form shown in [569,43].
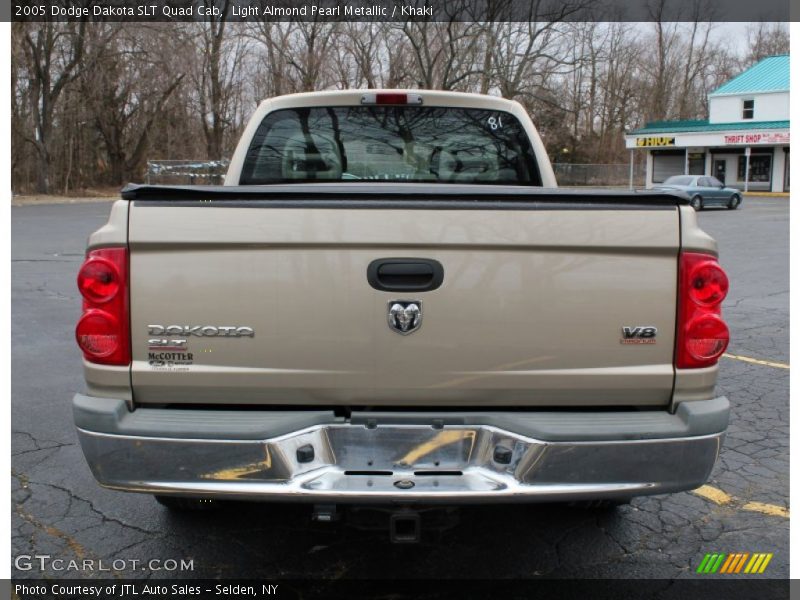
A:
[704,191]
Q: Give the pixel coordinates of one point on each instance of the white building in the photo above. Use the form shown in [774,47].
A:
[744,143]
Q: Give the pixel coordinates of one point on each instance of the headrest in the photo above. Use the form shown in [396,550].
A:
[311,156]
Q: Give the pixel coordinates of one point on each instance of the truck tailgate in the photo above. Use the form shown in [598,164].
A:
[530,312]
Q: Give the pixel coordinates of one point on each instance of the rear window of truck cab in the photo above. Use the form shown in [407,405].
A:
[390,143]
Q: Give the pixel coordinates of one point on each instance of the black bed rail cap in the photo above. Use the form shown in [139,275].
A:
[409,192]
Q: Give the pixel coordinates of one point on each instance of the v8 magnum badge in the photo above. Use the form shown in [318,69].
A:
[405,316]
[639,335]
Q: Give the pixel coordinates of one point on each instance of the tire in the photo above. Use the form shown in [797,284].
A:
[178,503]
[734,202]
[696,203]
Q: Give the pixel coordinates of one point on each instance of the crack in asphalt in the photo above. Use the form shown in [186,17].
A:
[50,530]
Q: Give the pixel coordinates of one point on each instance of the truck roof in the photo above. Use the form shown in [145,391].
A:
[429,98]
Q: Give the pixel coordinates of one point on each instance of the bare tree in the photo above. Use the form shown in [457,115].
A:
[272,39]
[765,39]
[297,54]
[620,91]
[363,46]
[307,53]
[695,57]
[661,66]
[124,109]
[53,55]
[91,102]
[445,53]
[398,64]
[528,54]
[217,79]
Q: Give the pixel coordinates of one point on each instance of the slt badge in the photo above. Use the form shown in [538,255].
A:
[405,316]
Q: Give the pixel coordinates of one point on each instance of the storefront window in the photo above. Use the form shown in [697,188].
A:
[760,168]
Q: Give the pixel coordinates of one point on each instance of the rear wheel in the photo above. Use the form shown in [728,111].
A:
[178,503]
[696,203]
[734,202]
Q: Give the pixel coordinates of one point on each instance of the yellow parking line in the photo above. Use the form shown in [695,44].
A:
[756,361]
[719,497]
[767,509]
[711,493]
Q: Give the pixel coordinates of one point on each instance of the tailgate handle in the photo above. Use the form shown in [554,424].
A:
[405,274]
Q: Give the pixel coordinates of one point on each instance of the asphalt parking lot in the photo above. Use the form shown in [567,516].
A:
[59,510]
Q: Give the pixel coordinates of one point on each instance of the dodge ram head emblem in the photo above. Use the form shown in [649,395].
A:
[405,316]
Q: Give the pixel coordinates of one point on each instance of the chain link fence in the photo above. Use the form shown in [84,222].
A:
[619,175]
[187,172]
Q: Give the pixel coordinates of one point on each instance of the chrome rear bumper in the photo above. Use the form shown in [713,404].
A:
[401,463]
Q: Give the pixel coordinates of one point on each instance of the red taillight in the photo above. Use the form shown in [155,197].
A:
[98,280]
[708,284]
[706,337]
[98,334]
[103,331]
[702,334]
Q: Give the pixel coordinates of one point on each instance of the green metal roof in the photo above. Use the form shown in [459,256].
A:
[768,75]
[703,126]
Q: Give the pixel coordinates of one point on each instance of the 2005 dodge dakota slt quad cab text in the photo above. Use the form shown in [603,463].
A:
[389,300]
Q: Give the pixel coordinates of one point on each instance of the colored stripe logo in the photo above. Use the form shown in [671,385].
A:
[738,562]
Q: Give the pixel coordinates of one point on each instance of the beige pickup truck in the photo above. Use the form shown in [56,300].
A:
[390,301]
